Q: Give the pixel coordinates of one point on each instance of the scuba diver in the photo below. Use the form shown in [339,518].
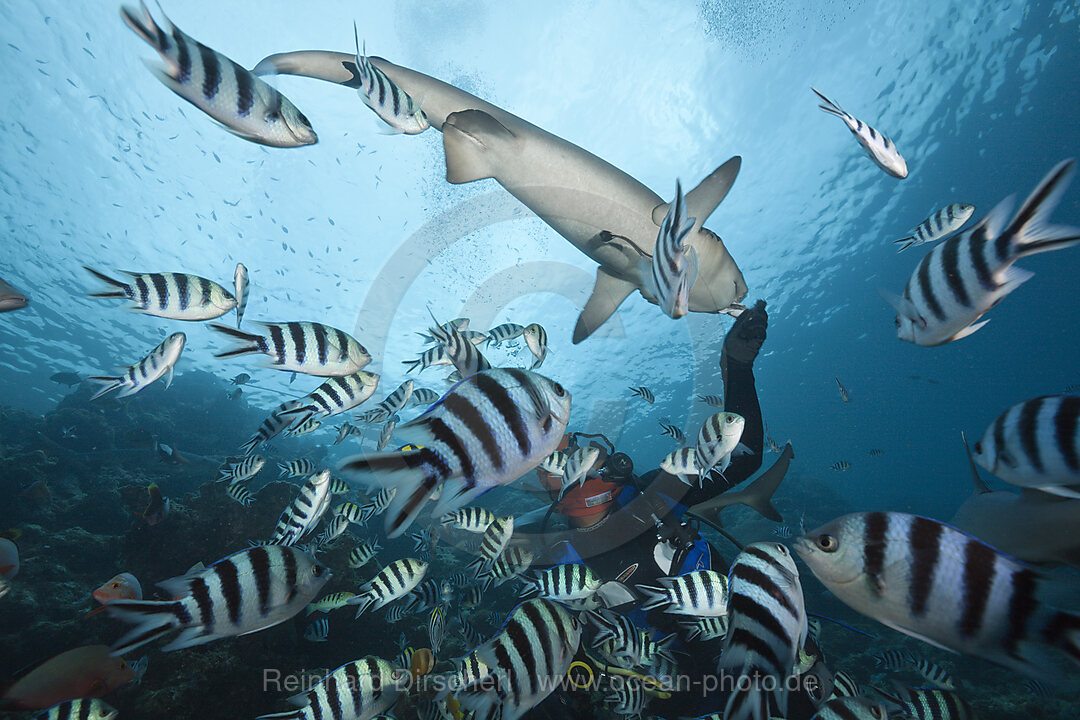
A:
[632,530]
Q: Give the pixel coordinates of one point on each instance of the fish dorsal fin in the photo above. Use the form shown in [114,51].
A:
[709,193]
[977,482]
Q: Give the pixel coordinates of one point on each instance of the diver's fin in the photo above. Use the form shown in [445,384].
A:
[608,293]
[710,192]
[468,137]
[978,483]
[757,495]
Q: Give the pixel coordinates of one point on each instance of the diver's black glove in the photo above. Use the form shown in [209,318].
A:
[746,336]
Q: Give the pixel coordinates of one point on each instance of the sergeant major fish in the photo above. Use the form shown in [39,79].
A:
[318,631]
[246,469]
[682,463]
[79,709]
[537,340]
[717,440]
[941,224]
[462,353]
[966,275]
[880,148]
[303,428]
[239,492]
[359,690]
[272,426]
[577,467]
[673,268]
[240,281]
[932,582]
[644,393]
[703,593]
[392,582]
[672,432]
[423,396]
[304,347]
[487,431]
[843,390]
[392,104]
[244,105]
[297,468]
[176,296]
[243,593]
[568,581]
[492,544]
[502,333]
[301,517]
[335,396]
[158,364]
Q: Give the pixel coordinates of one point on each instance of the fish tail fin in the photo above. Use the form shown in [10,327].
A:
[528,587]
[415,473]
[250,340]
[412,364]
[118,290]
[654,597]
[1063,630]
[287,715]
[152,620]
[145,27]
[828,105]
[908,242]
[249,446]
[1030,230]
[111,383]
[751,700]
[362,603]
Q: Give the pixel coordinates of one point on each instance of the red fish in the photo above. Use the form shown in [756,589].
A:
[85,672]
[124,586]
[157,509]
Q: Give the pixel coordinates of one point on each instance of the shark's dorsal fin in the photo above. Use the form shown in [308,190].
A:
[710,192]
[608,293]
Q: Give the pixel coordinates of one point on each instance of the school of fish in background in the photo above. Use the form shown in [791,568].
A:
[966,587]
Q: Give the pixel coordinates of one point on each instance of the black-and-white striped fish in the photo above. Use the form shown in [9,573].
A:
[681,463]
[472,519]
[880,148]
[932,673]
[840,466]
[397,400]
[243,593]
[301,517]
[527,658]
[345,431]
[176,296]
[386,433]
[318,631]
[767,628]
[362,554]
[392,104]
[489,430]
[502,333]
[470,669]
[471,597]
[304,347]
[492,544]
[716,441]
[625,641]
[334,529]
[459,323]
[672,432]
[935,583]
[393,581]
[555,463]
[339,487]
[701,592]
[336,395]
[628,697]
[966,275]
[671,272]
[351,512]
[374,416]
[1037,689]
[470,634]
[875,452]
[463,353]
[245,105]
[424,596]
[424,541]
[578,465]
[892,659]
[644,393]
[783,532]
[158,364]
[429,358]
[423,396]
[436,629]
[706,628]
[396,613]
[239,492]
[272,426]
[714,400]
[79,709]
[852,708]
[844,685]
[536,339]
[572,581]
[378,504]
[359,690]
[241,285]
[1036,444]
[246,469]
[308,426]
[941,224]
[513,561]
[297,468]
[928,704]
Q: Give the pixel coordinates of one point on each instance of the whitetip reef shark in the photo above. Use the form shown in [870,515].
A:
[601,210]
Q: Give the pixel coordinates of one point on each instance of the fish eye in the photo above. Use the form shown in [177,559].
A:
[115,585]
[827,543]
[303,120]
[317,570]
[730,418]
[273,116]
[978,447]
[876,712]
[782,550]
[559,390]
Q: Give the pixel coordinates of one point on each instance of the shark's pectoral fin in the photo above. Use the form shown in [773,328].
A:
[607,295]
[710,192]
[469,138]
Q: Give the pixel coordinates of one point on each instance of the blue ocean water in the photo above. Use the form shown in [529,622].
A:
[103,166]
